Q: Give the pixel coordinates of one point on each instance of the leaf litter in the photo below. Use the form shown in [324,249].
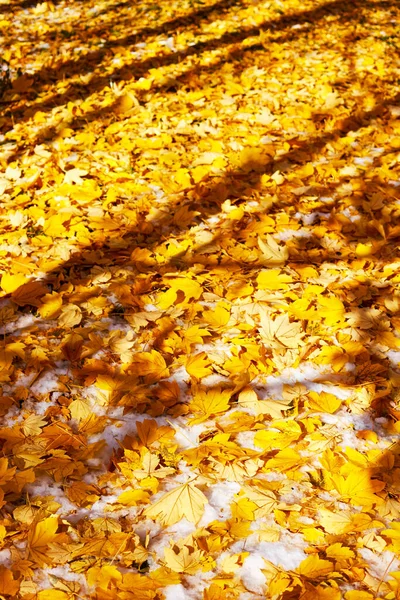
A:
[200,300]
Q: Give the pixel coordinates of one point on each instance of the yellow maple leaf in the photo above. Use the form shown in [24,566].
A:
[339,523]
[54,226]
[272,252]
[284,460]
[103,575]
[185,561]
[358,595]
[8,585]
[198,365]
[33,425]
[273,279]
[322,593]
[218,317]
[209,402]
[75,176]
[185,501]
[300,309]
[150,365]
[314,567]
[281,436]
[358,488]
[70,316]
[194,335]
[331,309]
[190,289]
[51,305]
[9,283]
[40,535]
[249,399]
[323,402]
[265,501]
[280,332]
[332,355]
[338,551]
[6,474]
[80,409]
[133,497]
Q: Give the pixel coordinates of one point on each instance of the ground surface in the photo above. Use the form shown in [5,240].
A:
[200,302]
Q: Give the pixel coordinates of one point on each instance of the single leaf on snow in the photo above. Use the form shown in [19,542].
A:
[185,501]
[272,252]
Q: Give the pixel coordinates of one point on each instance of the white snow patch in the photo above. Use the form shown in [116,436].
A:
[380,565]
[46,383]
[23,322]
[180,376]
[251,573]
[287,554]
[220,497]
[246,440]
[363,160]
[5,557]
[394,357]
[308,219]
[214,379]
[305,374]
[179,531]
[44,486]
[188,437]
[289,234]
[175,592]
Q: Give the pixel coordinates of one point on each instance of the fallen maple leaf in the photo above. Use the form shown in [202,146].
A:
[209,402]
[280,332]
[272,252]
[185,501]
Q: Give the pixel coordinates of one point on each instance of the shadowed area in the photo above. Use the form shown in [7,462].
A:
[200,300]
